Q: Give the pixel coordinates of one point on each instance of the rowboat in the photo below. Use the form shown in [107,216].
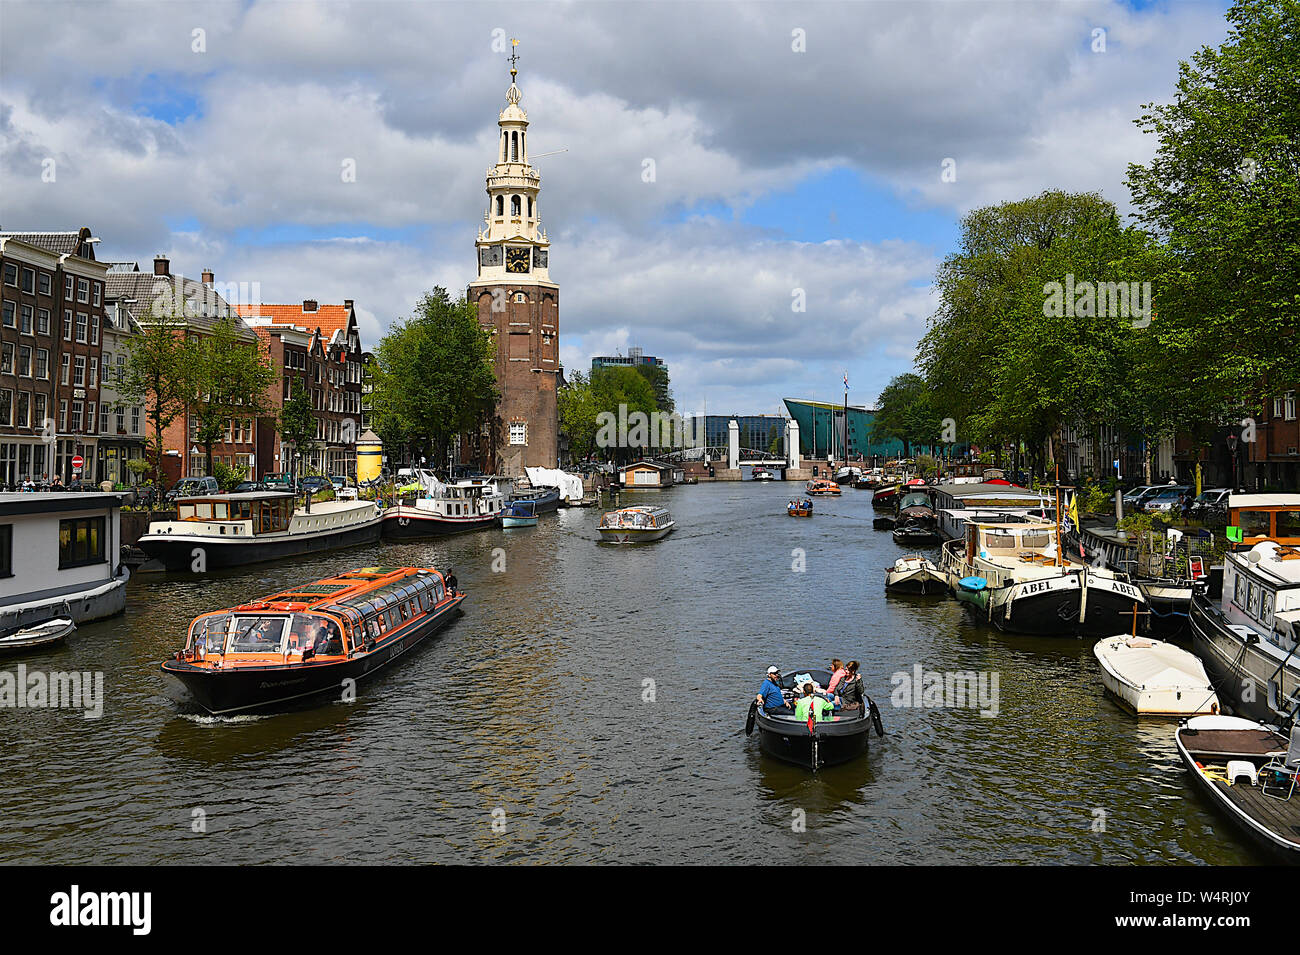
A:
[1154,678]
[915,574]
[519,514]
[634,525]
[313,639]
[36,635]
[800,509]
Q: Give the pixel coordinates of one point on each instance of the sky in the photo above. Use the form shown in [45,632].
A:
[814,154]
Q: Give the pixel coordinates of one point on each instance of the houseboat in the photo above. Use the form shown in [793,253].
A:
[634,525]
[1249,637]
[60,558]
[915,521]
[957,504]
[1013,571]
[430,508]
[1168,576]
[312,639]
[647,475]
[229,530]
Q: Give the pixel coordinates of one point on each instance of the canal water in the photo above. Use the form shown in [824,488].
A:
[589,707]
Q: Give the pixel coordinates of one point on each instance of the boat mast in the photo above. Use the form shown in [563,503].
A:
[845,446]
[1059,552]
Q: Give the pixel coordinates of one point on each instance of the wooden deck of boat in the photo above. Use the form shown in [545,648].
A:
[1282,816]
[1218,745]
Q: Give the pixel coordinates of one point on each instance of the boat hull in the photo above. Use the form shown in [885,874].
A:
[248,689]
[180,552]
[1242,670]
[634,535]
[407,523]
[1176,698]
[518,522]
[1051,607]
[832,743]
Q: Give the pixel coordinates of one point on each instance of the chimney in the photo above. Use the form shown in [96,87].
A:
[347,304]
[309,305]
[161,265]
[208,277]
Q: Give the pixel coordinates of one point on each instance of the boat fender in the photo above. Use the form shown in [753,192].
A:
[1214,709]
[875,717]
[749,721]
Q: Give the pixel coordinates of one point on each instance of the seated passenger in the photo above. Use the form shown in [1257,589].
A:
[328,642]
[837,673]
[822,708]
[852,696]
[770,697]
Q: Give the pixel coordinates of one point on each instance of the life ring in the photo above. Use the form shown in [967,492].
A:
[875,717]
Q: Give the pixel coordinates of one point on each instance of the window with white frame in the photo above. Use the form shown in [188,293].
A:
[518,432]
[1289,413]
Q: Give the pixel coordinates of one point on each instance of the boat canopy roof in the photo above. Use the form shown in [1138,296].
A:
[243,496]
[362,583]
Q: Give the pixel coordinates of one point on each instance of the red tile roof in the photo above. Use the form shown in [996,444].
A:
[328,318]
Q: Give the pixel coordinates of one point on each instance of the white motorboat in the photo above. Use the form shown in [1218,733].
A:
[1154,678]
[634,525]
[37,635]
[915,574]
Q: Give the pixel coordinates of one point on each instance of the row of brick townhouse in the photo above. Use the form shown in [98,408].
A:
[67,320]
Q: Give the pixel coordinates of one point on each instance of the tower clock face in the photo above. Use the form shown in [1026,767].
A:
[517,260]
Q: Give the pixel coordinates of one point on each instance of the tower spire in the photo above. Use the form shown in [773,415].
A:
[514,59]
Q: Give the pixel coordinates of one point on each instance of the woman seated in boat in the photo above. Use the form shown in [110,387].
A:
[851,695]
[263,637]
[329,642]
[838,673]
[822,708]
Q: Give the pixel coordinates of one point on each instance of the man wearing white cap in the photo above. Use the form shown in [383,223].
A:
[769,694]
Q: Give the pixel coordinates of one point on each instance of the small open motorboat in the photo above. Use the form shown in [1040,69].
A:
[811,744]
[822,487]
[519,514]
[915,532]
[763,474]
[1250,772]
[37,635]
[915,574]
[312,639]
[636,525]
[1154,678]
[800,508]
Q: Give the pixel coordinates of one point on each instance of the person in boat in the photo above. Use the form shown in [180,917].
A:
[449,579]
[769,696]
[851,694]
[328,641]
[838,673]
[821,708]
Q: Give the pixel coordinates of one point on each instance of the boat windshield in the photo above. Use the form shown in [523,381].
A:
[265,633]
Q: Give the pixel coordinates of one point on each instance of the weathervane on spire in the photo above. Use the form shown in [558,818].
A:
[514,58]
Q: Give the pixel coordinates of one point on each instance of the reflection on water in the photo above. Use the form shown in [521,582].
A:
[591,703]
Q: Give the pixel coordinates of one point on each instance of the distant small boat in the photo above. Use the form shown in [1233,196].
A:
[914,574]
[36,635]
[800,509]
[1154,678]
[822,487]
[848,474]
[763,474]
[519,514]
[1250,772]
[634,525]
[916,532]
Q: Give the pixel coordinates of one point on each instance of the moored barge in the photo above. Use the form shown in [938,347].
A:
[309,640]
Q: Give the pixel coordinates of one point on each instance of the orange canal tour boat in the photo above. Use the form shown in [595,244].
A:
[822,487]
[310,639]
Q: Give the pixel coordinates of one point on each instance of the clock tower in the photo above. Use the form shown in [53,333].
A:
[517,301]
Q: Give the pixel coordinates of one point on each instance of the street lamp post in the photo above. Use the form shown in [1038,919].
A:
[1232,449]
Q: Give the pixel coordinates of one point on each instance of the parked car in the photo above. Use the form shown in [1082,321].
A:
[314,483]
[277,482]
[1212,502]
[190,486]
[245,487]
[1168,498]
[1134,497]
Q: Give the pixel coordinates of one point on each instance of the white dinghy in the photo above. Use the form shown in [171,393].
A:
[915,574]
[1154,678]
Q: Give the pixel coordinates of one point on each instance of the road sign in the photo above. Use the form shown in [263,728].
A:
[77,462]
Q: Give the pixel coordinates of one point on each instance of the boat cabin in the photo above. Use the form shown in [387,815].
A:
[331,617]
[259,513]
[1261,592]
[649,517]
[469,498]
[1263,517]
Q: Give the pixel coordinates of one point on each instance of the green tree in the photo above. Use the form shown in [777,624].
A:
[156,372]
[1223,193]
[433,376]
[228,378]
[577,406]
[624,386]
[905,412]
[657,375]
[297,424]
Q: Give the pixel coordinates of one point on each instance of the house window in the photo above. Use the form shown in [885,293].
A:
[24,410]
[81,542]
[43,321]
[26,327]
[29,280]
[94,328]
[67,287]
[67,325]
[518,432]
[1290,406]
[96,300]
[6,359]
[11,274]
[63,415]
[135,420]
[76,416]
[65,363]
[94,373]
[121,420]
[79,371]
[90,417]
[43,363]
[43,283]
[38,419]
[6,550]
[6,407]
[83,291]
[8,315]
[25,361]
[81,326]
[103,418]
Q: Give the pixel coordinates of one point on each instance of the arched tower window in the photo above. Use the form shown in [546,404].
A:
[514,205]
[514,147]
[530,207]
[501,205]
[505,139]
